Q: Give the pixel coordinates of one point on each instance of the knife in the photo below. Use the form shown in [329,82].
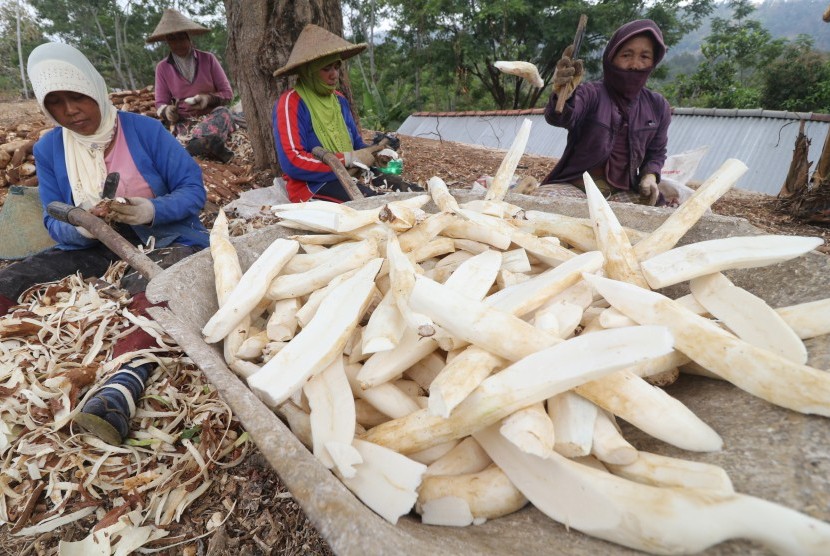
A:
[111,185]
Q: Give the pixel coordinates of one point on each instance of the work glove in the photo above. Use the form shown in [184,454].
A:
[648,188]
[365,156]
[202,101]
[84,232]
[168,113]
[137,210]
[568,74]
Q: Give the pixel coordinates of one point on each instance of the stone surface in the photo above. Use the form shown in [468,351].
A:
[769,452]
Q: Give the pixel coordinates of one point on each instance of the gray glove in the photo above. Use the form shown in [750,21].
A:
[365,156]
[568,74]
[84,232]
[203,101]
[649,189]
[137,210]
[169,113]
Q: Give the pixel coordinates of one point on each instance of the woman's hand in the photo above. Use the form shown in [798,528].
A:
[169,113]
[364,156]
[203,101]
[137,210]
[648,188]
[568,74]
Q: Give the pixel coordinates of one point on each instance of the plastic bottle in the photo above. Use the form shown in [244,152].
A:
[395,166]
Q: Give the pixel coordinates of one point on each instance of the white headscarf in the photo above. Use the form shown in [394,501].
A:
[60,67]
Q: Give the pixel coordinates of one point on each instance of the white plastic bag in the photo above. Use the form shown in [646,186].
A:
[250,203]
[677,171]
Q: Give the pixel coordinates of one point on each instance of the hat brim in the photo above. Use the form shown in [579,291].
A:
[345,53]
[163,36]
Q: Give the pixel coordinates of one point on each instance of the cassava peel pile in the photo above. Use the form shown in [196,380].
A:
[465,362]
[54,351]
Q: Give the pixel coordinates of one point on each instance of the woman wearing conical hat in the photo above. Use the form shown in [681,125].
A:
[314,113]
[192,90]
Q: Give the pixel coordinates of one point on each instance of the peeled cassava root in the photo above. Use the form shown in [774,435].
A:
[464,362]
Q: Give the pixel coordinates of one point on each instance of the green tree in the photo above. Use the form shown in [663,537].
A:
[736,54]
[458,41]
[798,81]
[30,36]
[111,33]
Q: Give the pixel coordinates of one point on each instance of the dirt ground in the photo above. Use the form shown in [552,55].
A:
[265,519]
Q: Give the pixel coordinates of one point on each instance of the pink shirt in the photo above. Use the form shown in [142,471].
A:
[208,78]
[120,160]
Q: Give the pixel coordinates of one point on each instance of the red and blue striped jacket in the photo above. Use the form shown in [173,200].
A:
[294,138]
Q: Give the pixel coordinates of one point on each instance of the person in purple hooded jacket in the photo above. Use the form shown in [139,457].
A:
[617,128]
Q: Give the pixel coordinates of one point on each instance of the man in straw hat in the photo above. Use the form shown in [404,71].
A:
[192,89]
[314,114]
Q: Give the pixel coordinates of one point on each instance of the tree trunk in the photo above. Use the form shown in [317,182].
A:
[20,54]
[261,34]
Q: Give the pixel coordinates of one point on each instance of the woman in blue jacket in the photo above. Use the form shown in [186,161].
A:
[160,181]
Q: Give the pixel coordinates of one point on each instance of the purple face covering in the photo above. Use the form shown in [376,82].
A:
[627,83]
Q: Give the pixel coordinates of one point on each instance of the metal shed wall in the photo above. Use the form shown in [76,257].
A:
[762,139]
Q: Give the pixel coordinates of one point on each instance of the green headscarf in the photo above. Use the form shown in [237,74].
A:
[326,115]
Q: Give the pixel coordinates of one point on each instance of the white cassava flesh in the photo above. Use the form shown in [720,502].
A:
[282,324]
[620,261]
[716,255]
[651,410]
[433,454]
[487,494]
[573,420]
[687,214]
[386,481]
[501,181]
[249,290]
[652,519]
[528,296]
[550,253]
[441,195]
[664,471]
[609,446]
[386,398]
[530,430]
[227,272]
[808,320]
[527,71]
[332,414]
[748,316]
[303,283]
[411,348]
[319,343]
[466,457]
[758,371]
[474,322]
[533,379]
[460,377]
[385,326]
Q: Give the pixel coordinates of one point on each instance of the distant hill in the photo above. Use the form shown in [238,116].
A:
[782,18]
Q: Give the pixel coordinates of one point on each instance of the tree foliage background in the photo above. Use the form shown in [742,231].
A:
[438,55]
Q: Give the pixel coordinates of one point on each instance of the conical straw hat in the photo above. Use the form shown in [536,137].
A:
[174,22]
[315,42]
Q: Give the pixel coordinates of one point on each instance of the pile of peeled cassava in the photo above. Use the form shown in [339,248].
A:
[465,362]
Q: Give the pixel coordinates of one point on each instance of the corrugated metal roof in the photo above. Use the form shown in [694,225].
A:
[762,139]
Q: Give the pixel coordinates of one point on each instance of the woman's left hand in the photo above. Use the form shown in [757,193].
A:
[202,101]
[648,188]
[137,210]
